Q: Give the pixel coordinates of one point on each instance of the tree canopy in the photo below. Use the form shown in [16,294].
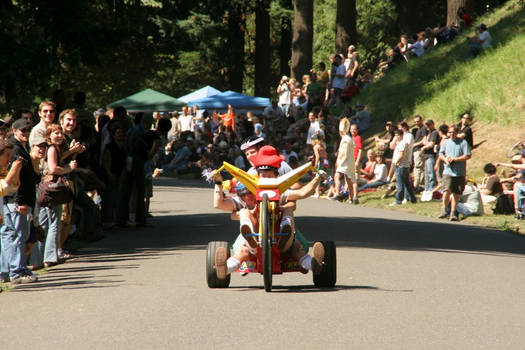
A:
[111,49]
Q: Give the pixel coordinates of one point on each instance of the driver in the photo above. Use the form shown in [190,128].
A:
[267,162]
[242,206]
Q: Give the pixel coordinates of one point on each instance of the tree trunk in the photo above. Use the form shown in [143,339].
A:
[285,47]
[262,49]
[453,7]
[346,23]
[235,53]
[302,38]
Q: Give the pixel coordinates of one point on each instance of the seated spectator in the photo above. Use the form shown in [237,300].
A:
[288,152]
[258,130]
[465,19]
[362,118]
[490,187]
[519,177]
[470,202]
[380,174]
[424,40]
[367,173]
[416,47]
[480,42]
[394,58]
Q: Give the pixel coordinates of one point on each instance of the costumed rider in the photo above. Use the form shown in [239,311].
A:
[267,162]
[251,145]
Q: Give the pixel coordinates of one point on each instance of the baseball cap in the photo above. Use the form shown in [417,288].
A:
[21,123]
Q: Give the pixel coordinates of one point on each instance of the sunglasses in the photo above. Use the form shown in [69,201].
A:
[25,130]
[48,111]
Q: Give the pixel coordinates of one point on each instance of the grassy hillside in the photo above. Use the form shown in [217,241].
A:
[442,84]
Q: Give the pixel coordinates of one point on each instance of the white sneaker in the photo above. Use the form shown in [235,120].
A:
[404,201]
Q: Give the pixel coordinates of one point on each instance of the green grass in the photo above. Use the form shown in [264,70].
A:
[433,208]
[443,83]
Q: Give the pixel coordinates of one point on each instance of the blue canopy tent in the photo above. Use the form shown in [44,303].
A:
[201,93]
[239,102]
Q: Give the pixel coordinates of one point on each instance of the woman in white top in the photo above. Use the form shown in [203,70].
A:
[380,174]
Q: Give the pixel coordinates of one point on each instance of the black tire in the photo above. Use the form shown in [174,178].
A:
[266,244]
[211,273]
[328,276]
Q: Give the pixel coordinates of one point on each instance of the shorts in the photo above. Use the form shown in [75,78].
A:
[454,184]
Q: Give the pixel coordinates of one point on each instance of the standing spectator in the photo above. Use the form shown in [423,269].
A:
[401,162]
[47,112]
[313,128]
[480,42]
[186,120]
[345,163]
[465,131]
[419,162]
[337,80]
[84,117]
[28,115]
[198,121]
[175,126]
[322,76]
[351,66]
[17,207]
[358,149]
[430,148]
[136,148]
[49,217]
[285,95]
[454,153]
[228,119]
[113,164]
[383,142]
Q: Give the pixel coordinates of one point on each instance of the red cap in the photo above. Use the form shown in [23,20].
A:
[267,156]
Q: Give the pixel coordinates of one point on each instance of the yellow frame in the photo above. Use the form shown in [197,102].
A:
[253,183]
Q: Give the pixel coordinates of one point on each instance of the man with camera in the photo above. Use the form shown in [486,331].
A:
[18,207]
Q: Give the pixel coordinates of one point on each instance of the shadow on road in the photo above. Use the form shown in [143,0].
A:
[124,249]
[195,231]
[311,289]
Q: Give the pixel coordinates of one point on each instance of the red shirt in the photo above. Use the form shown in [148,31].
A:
[358,145]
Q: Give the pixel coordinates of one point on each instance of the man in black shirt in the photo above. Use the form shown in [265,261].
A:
[419,133]
[465,132]
[429,150]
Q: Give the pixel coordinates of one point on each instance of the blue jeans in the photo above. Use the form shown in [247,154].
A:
[49,220]
[14,232]
[372,185]
[430,174]
[403,186]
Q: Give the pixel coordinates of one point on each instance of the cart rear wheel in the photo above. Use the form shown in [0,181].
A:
[211,273]
[328,276]
[266,244]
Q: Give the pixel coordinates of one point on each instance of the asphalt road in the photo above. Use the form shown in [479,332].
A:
[404,282]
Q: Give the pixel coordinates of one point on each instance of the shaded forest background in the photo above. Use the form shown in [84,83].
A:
[112,48]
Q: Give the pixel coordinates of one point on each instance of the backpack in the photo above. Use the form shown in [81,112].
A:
[504,205]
